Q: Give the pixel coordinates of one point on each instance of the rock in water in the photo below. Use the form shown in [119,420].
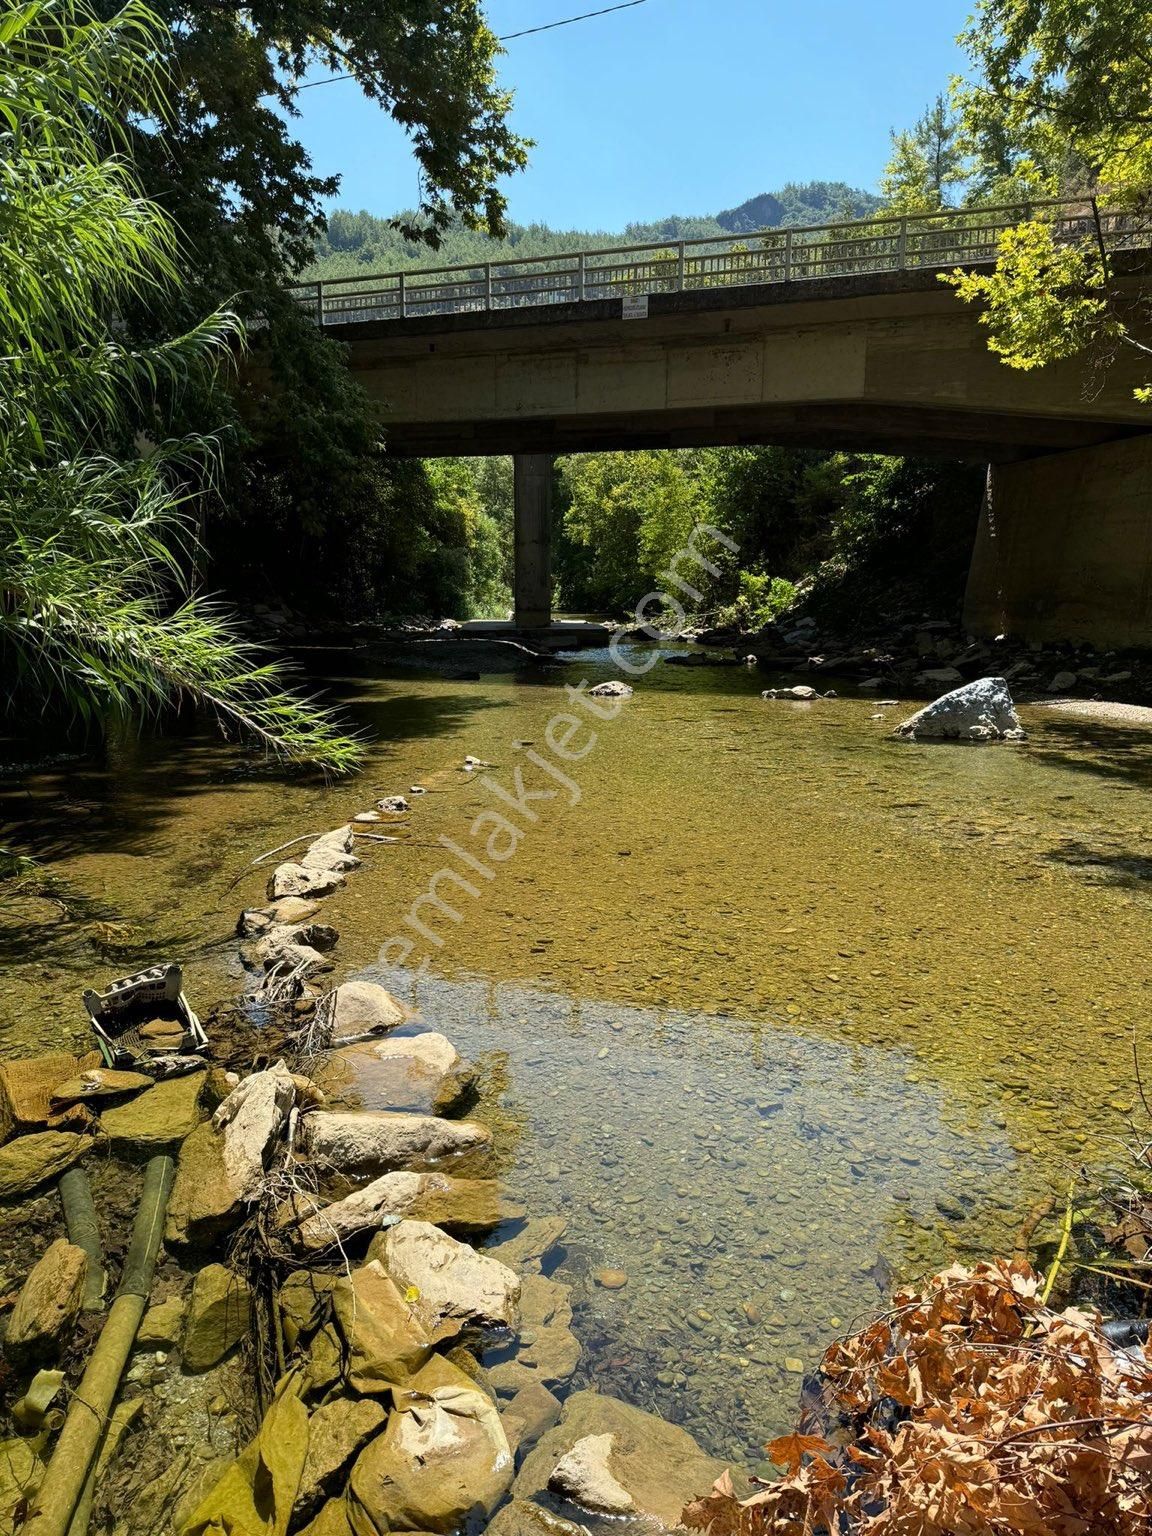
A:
[222,1162]
[613,689]
[332,851]
[420,1073]
[455,1287]
[526,1250]
[549,1351]
[467,1206]
[657,1465]
[980,711]
[357,1010]
[219,1315]
[30,1161]
[373,1142]
[442,1463]
[293,879]
[531,1413]
[584,1475]
[47,1307]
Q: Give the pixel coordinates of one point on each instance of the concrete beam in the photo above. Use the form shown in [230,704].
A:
[532,541]
[848,426]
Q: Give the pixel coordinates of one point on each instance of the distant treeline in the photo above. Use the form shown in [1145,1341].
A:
[356,242]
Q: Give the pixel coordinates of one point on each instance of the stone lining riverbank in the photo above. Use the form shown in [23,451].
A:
[321,1260]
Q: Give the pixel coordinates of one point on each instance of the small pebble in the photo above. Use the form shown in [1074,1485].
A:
[611,1279]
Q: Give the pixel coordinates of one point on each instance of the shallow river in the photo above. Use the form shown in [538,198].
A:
[781,1008]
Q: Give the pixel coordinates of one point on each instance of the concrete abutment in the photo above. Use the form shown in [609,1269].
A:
[1064,548]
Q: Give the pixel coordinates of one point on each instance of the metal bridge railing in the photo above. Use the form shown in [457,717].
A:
[932,242]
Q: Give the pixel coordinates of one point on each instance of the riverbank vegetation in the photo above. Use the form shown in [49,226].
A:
[97,501]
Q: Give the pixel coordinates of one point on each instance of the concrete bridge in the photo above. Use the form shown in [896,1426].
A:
[836,337]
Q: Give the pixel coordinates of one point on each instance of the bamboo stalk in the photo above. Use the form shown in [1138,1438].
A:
[1065,1237]
[64,1481]
[84,1231]
[118,1427]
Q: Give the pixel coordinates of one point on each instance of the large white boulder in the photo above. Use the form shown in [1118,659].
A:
[455,1287]
[980,711]
[367,1143]
[223,1162]
[357,1010]
[442,1464]
[468,1206]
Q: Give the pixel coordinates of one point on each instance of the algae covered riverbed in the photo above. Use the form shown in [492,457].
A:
[779,1008]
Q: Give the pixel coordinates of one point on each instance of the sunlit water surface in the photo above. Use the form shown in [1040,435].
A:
[781,1008]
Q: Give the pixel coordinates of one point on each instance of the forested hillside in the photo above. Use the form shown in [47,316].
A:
[355,242]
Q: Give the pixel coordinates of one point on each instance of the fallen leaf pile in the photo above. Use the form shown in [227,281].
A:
[969,1409]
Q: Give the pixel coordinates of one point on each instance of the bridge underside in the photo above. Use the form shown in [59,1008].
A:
[848,426]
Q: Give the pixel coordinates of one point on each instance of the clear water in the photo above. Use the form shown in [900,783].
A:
[780,1008]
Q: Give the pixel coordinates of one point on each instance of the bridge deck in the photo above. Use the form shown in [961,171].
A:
[628,275]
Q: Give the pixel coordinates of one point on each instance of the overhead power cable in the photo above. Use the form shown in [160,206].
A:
[568,20]
[508,37]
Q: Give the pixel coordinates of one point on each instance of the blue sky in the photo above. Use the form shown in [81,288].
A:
[674,106]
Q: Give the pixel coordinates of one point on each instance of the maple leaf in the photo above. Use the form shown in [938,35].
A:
[789,1451]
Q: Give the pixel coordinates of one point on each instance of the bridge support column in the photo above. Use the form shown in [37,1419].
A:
[1064,548]
[532,540]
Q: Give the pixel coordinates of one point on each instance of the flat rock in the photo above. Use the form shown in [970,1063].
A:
[527,1250]
[421,1073]
[466,1207]
[337,1431]
[454,1286]
[613,689]
[551,1351]
[800,691]
[26,1089]
[219,1316]
[658,1465]
[48,1304]
[358,1010]
[222,1163]
[157,1120]
[532,1411]
[320,937]
[30,1161]
[289,912]
[443,1461]
[322,857]
[584,1475]
[367,1143]
[940,676]
[979,711]
[292,879]
[385,1340]
[520,1517]
[99,1083]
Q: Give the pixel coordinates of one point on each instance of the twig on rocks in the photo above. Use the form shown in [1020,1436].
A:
[305,837]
